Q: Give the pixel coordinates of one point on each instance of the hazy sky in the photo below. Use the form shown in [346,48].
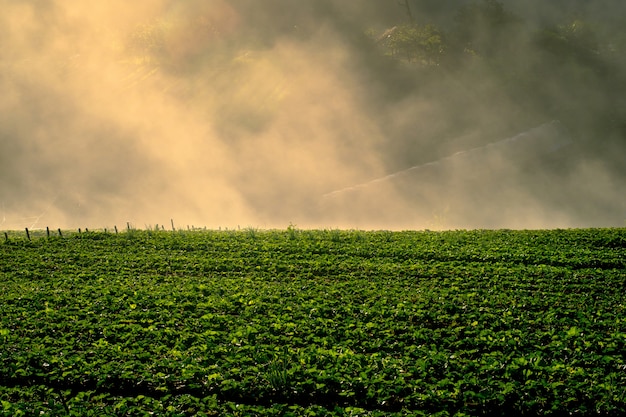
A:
[221,113]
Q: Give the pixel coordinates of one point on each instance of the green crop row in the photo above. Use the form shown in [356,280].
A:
[304,322]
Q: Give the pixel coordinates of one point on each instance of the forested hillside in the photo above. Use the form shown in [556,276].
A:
[497,67]
[271,106]
[556,61]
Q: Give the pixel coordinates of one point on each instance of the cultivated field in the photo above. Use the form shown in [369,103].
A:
[308,323]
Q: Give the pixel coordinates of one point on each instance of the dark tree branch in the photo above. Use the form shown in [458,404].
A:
[407,6]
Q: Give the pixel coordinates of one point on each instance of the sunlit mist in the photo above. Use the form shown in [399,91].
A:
[263,114]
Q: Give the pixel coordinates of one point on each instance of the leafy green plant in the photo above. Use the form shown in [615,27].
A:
[277,373]
[292,231]
[321,323]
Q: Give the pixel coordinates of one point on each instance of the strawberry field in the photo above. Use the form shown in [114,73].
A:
[308,323]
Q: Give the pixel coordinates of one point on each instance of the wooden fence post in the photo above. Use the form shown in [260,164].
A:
[27,234]
[47,232]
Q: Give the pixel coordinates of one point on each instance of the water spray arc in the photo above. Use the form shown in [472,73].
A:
[513,182]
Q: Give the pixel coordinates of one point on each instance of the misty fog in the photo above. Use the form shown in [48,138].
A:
[217,113]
